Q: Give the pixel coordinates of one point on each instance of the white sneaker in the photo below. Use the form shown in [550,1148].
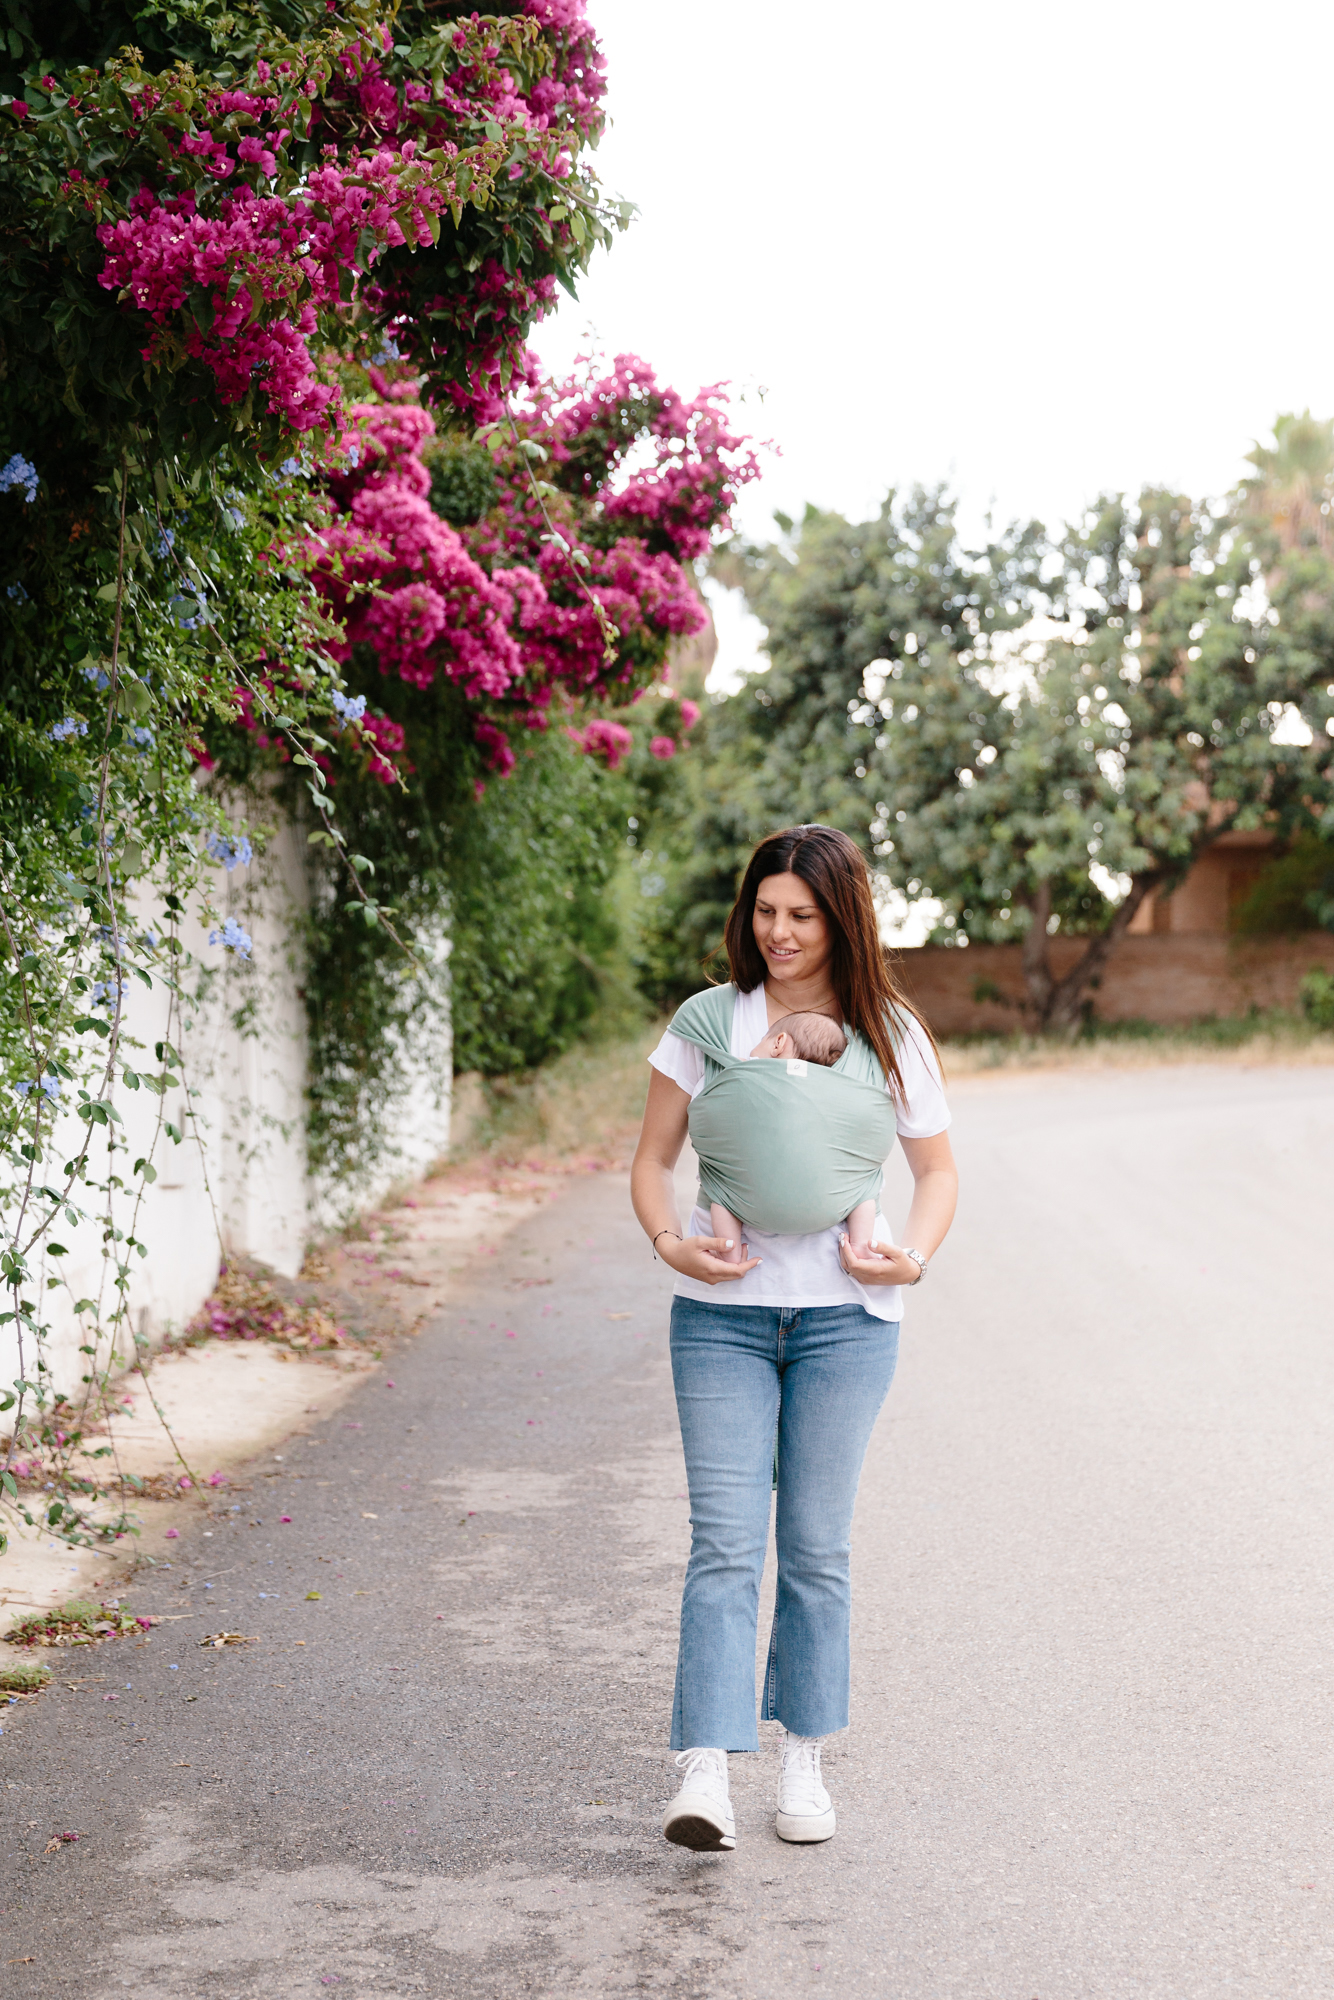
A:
[805,1809]
[700,1816]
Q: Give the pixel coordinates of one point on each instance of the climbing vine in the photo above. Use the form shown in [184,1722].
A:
[204,215]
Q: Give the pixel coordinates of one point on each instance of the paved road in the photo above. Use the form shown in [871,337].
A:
[1091,1746]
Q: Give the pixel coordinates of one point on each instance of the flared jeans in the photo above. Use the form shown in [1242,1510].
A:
[811,1380]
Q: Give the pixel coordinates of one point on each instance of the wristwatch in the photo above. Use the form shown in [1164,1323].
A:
[920,1262]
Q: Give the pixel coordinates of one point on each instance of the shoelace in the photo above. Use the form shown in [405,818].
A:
[700,1772]
[800,1777]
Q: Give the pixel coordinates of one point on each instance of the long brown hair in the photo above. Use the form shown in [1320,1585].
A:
[834,870]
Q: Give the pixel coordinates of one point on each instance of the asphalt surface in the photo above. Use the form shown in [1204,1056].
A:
[1090,1751]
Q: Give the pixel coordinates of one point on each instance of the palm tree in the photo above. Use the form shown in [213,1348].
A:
[1294,486]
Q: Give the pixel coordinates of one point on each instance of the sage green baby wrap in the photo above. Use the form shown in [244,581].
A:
[789,1147]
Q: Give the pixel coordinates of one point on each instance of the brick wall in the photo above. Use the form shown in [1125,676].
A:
[1170,978]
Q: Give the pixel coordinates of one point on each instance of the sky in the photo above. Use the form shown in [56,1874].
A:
[1036,251]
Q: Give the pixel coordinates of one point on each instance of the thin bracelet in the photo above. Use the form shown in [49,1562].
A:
[666,1232]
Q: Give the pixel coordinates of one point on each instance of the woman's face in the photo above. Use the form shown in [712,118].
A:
[790,930]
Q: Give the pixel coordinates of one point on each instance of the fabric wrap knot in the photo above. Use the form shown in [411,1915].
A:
[789,1148]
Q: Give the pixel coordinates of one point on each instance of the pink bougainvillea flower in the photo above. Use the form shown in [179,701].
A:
[284,1517]
[661,746]
[600,738]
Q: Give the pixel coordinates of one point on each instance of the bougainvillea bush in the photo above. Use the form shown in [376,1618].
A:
[498,594]
[284,500]
[192,237]
[190,228]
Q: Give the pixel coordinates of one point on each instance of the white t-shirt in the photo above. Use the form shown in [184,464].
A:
[805,1270]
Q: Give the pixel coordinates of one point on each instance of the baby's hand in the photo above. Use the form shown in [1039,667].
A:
[864,1249]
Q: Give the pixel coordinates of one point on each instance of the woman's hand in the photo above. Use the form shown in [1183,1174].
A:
[697,1257]
[884,1266]
[654,1195]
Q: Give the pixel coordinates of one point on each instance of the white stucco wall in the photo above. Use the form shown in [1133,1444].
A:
[238,1182]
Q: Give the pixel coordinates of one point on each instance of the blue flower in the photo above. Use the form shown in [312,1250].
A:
[99,679]
[228,851]
[107,992]
[71,726]
[187,612]
[49,1086]
[233,938]
[348,708]
[17,592]
[388,352]
[150,937]
[142,737]
[110,940]
[19,472]
[166,542]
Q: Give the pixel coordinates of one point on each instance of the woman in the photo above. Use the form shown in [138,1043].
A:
[801,1346]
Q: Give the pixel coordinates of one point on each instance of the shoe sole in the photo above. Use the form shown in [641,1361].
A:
[703,1835]
[801,1829]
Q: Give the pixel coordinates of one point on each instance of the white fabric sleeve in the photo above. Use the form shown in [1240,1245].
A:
[682,1061]
[924,1111]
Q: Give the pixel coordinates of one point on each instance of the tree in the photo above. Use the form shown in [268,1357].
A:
[848,607]
[1042,733]
[1145,723]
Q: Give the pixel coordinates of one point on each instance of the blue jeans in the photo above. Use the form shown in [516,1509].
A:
[815,1377]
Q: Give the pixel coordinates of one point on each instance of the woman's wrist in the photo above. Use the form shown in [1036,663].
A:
[666,1230]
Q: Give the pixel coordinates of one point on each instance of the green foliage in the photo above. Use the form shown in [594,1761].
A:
[690,858]
[1317,998]
[463,483]
[1293,892]
[23,1676]
[535,884]
[534,928]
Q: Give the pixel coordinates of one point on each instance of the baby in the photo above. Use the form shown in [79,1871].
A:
[811,1038]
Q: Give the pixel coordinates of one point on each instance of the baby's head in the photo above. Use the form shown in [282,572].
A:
[812,1037]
